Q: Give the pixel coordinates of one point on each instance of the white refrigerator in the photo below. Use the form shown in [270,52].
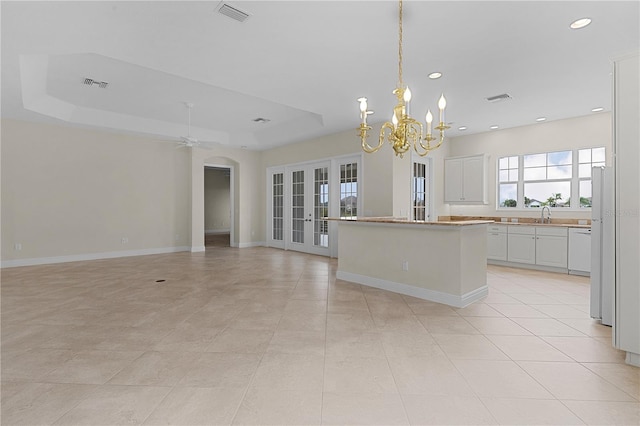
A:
[602,245]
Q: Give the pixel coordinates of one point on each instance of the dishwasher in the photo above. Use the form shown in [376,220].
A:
[580,251]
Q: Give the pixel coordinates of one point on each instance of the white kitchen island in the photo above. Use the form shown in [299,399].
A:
[444,262]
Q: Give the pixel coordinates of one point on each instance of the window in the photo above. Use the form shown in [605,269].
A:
[419,191]
[508,181]
[587,159]
[547,179]
[349,191]
[550,179]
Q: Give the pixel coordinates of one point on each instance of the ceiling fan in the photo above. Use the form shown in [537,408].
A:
[189,141]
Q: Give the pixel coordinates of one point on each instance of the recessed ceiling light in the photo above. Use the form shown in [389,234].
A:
[261,120]
[541,118]
[462,128]
[494,127]
[435,75]
[580,23]
[597,109]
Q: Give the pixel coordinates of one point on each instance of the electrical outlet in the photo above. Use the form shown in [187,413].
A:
[124,240]
[405,265]
[17,246]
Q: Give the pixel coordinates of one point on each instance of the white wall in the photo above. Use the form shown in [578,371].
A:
[581,132]
[75,192]
[627,182]
[217,199]
[69,191]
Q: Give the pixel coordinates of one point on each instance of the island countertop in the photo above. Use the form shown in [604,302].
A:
[404,221]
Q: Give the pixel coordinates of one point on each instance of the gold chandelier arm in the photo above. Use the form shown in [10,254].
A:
[364,129]
[428,147]
[390,137]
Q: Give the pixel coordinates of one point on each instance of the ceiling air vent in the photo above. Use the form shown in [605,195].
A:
[233,13]
[91,82]
[499,98]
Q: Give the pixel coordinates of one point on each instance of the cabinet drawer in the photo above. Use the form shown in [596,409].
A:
[552,231]
[499,229]
[521,230]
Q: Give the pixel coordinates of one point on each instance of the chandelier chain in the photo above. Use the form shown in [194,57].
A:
[400,82]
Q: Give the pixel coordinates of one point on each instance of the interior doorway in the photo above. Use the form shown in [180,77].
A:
[218,206]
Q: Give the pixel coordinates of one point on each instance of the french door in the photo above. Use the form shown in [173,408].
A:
[309,207]
[301,196]
[299,205]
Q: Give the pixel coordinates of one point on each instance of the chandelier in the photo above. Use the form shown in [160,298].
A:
[403,132]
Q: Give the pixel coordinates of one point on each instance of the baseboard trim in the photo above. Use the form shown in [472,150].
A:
[420,293]
[528,266]
[196,249]
[253,244]
[90,256]
[632,359]
[216,231]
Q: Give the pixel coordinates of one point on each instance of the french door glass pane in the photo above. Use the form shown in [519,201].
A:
[321,207]
[419,192]
[297,206]
[349,190]
[278,206]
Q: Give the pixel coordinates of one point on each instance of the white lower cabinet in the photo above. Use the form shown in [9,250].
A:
[497,242]
[521,246]
[551,247]
[531,245]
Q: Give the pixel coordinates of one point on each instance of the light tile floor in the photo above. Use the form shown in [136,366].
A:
[263,336]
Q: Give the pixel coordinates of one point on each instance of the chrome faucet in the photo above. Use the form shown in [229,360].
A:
[548,216]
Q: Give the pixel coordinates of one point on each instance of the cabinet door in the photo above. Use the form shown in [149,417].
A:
[453,172]
[497,246]
[551,251]
[473,180]
[521,248]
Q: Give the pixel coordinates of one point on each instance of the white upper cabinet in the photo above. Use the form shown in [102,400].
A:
[465,180]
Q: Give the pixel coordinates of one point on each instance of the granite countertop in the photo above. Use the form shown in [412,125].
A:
[405,221]
[566,225]
[455,222]
[524,221]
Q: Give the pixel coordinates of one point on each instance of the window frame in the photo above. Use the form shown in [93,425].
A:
[574,181]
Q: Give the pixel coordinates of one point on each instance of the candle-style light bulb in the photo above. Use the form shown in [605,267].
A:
[407,99]
[394,120]
[429,118]
[363,109]
[407,95]
[442,104]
